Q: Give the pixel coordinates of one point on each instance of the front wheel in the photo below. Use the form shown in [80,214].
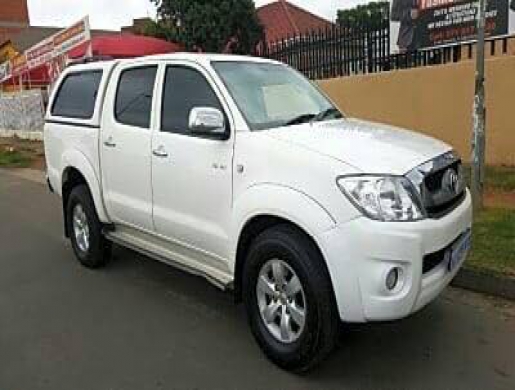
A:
[289,299]
[91,248]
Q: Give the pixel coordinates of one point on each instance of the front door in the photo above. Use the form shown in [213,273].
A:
[191,174]
[126,146]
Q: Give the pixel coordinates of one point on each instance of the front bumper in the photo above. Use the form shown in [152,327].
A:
[360,253]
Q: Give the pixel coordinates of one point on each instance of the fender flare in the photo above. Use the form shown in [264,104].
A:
[77,160]
[281,201]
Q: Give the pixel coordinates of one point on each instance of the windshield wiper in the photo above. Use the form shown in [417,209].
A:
[327,113]
[301,119]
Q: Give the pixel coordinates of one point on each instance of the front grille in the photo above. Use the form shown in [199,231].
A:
[440,184]
[433,181]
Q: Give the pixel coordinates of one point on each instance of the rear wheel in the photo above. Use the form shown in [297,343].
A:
[289,299]
[91,248]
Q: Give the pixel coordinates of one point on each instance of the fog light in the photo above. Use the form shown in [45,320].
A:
[392,278]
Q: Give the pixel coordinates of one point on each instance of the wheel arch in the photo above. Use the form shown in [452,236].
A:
[291,208]
[76,171]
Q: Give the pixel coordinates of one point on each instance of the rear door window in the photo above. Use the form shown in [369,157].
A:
[77,95]
[133,104]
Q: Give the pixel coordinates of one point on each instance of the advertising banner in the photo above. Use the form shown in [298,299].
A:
[40,53]
[49,51]
[58,44]
[72,37]
[424,24]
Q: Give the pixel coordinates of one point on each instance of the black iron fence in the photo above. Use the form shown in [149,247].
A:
[344,51]
[336,51]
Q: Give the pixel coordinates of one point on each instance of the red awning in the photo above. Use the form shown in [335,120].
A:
[125,46]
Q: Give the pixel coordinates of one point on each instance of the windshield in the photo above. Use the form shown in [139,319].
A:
[273,95]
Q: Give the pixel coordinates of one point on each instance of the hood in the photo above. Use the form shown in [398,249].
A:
[372,148]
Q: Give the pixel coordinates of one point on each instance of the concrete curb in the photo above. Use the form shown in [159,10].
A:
[481,282]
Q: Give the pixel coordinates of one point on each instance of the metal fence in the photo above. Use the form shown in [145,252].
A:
[333,52]
[359,49]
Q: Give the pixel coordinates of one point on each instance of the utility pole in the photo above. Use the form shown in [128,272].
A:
[479,114]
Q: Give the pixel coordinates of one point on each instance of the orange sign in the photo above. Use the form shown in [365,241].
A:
[19,64]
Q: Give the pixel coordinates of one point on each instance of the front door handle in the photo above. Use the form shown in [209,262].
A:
[160,152]
[110,143]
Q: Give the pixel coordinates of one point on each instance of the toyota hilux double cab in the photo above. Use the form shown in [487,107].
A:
[242,171]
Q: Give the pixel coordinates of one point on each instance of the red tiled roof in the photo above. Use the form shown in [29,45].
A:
[281,19]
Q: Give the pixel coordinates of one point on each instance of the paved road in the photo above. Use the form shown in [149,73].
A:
[139,324]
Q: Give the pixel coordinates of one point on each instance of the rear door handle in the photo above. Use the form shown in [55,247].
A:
[160,152]
[110,143]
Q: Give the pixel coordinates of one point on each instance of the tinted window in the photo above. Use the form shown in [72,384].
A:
[77,95]
[134,96]
[184,89]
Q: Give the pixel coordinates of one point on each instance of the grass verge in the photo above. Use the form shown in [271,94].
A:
[14,159]
[493,246]
[19,153]
[497,178]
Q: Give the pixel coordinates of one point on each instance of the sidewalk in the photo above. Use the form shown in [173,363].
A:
[33,175]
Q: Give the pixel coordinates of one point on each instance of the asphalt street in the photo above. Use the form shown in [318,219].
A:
[139,324]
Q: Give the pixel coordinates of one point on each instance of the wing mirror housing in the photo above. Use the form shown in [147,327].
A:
[207,121]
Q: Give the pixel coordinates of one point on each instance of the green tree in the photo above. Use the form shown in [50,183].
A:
[374,14]
[159,29]
[208,25]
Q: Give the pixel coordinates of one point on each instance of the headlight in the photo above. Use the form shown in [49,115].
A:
[384,198]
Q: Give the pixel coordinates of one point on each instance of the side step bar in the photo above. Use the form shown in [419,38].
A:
[125,240]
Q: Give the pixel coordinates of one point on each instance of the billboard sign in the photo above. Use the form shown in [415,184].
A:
[72,37]
[58,44]
[40,54]
[48,50]
[424,24]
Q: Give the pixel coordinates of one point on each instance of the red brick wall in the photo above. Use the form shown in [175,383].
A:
[14,14]
[14,11]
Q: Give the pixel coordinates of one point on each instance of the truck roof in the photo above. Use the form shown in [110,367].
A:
[200,58]
[203,58]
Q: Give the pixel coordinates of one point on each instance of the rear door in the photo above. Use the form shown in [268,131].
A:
[126,145]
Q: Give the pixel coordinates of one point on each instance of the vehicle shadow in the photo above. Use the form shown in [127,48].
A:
[397,355]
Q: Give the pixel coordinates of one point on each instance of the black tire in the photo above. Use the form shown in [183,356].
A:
[99,251]
[320,331]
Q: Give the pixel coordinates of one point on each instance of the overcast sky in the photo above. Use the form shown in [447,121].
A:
[112,14]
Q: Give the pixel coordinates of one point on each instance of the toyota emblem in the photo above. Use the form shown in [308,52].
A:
[451,181]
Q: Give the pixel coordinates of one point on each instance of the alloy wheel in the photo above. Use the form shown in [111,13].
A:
[281,301]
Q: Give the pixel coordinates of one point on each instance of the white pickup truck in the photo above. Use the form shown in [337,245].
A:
[240,170]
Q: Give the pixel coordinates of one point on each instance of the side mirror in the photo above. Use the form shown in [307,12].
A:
[206,120]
